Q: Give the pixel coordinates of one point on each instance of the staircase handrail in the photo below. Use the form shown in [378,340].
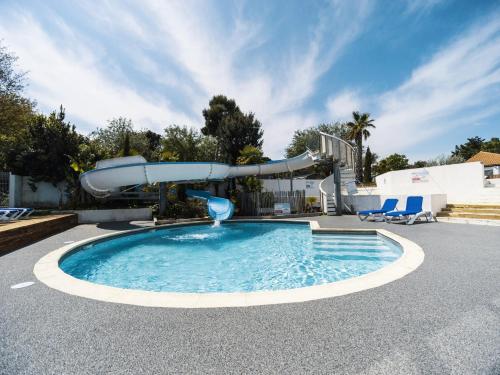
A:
[344,152]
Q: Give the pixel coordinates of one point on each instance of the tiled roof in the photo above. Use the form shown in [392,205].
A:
[487,158]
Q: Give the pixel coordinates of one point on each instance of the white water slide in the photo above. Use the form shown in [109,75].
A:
[110,174]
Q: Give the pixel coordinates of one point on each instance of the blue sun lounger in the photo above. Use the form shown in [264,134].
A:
[389,205]
[412,212]
[7,214]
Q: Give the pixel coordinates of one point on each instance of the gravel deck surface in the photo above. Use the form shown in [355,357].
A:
[443,318]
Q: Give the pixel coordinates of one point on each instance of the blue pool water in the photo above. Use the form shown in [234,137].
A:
[234,257]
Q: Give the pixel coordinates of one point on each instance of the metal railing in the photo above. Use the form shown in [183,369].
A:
[338,149]
[341,152]
[262,203]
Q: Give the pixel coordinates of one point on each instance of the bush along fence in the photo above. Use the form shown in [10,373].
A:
[261,204]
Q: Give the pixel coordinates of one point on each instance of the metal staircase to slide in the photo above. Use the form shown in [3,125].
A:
[336,193]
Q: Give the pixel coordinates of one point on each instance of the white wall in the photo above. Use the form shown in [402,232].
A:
[21,194]
[432,202]
[15,190]
[460,182]
[310,186]
[122,214]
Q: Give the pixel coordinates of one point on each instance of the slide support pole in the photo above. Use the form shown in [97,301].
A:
[338,193]
[163,199]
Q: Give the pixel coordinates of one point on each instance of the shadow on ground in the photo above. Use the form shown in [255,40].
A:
[120,225]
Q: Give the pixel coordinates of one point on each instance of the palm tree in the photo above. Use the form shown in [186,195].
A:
[358,129]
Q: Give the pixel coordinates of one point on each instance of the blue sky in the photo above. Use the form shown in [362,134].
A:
[427,70]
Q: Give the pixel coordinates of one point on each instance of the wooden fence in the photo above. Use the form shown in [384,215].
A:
[259,204]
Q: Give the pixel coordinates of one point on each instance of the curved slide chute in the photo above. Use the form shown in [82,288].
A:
[218,208]
[111,174]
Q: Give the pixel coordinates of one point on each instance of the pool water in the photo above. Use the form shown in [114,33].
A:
[233,257]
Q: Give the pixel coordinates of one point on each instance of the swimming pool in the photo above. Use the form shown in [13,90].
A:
[234,257]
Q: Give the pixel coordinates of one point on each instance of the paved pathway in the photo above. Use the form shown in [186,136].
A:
[444,318]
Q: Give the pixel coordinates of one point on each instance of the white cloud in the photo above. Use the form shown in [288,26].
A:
[191,50]
[210,55]
[421,6]
[70,76]
[458,86]
[341,106]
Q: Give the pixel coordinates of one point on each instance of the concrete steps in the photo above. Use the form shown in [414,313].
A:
[330,206]
[471,211]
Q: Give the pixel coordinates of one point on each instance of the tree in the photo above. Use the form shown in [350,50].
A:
[251,155]
[208,149]
[393,162]
[367,175]
[308,139]
[219,108]
[469,148]
[236,132]
[52,145]
[11,81]
[493,145]
[232,128]
[153,142]
[15,110]
[126,145]
[111,138]
[419,164]
[443,160]
[180,143]
[118,131]
[358,129]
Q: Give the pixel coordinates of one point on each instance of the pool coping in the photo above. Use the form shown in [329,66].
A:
[47,270]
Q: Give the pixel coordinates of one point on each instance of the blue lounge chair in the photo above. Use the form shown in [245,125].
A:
[412,212]
[7,214]
[389,205]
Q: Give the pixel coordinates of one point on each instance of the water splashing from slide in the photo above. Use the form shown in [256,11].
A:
[216,224]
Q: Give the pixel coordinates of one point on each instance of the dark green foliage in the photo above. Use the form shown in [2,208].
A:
[308,139]
[153,142]
[181,143]
[185,210]
[11,81]
[476,144]
[126,145]
[393,162]
[219,108]
[111,140]
[51,146]
[15,110]
[232,129]
[493,145]
[251,155]
[367,173]
[358,129]
[419,164]
[236,132]
[469,148]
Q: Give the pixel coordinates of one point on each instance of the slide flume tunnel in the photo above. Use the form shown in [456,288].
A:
[111,174]
[218,208]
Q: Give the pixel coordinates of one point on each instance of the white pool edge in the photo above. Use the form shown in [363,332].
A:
[48,272]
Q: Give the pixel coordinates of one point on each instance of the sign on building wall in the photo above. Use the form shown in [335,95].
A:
[419,176]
